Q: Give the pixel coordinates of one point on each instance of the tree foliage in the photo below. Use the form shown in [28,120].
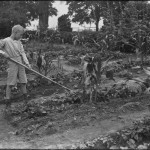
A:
[87,11]
[22,12]
[11,13]
[64,23]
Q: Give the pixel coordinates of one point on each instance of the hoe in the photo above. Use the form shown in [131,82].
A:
[10,59]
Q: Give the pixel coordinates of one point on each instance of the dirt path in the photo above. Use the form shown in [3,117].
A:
[69,138]
[77,136]
[7,137]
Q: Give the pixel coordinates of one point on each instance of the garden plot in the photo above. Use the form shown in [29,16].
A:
[54,115]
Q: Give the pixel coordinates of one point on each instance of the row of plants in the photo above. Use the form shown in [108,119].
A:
[134,137]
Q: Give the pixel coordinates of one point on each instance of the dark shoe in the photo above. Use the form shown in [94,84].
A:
[8,106]
[25,98]
[7,102]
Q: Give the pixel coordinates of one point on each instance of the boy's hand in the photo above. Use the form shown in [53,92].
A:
[4,54]
[29,66]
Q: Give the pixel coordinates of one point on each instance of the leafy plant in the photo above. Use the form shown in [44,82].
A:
[126,88]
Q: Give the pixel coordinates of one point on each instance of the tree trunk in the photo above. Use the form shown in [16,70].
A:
[110,15]
[97,25]
[139,46]
[41,22]
[96,14]
[121,19]
[43,15]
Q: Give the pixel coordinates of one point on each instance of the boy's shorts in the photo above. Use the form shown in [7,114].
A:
[15,72]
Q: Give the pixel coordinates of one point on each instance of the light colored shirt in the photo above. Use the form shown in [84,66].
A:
[13,48]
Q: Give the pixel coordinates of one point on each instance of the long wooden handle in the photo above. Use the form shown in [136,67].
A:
[37,73]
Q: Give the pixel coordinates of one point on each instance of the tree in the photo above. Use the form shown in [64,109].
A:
[64,23]
[87,11]
[113,15]
[22,12]
[138,20]
[124,19]
[44,10]
[11,13]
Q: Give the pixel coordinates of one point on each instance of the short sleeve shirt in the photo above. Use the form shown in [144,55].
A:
[12,47]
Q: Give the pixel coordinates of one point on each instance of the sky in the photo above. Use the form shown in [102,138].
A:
[62,9]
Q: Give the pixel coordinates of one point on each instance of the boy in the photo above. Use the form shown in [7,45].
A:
[14,49]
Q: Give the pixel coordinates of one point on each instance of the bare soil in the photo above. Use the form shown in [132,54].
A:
[76,125]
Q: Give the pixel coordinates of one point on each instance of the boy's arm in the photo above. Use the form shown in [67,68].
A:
[2,45]
[24,57]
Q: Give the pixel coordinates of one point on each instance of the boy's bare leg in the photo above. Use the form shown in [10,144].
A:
[23,88]
[8,96]
[8,92]
[24,92]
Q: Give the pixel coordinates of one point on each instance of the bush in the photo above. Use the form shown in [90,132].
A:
[67,36]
